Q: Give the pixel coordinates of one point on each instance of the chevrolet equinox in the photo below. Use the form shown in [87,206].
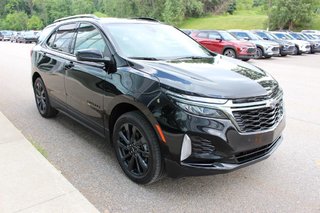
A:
[167,104]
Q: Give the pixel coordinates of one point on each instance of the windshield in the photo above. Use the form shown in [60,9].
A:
[153,41]
[272,36]
[284,36]
[227,36]
[296,36]
[253,36]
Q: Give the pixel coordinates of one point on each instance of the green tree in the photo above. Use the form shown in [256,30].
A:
[16,21]
[289,14]
[174,11]
[34,23]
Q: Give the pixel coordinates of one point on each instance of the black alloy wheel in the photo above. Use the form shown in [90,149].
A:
[230,53]
[42,100]
[137,148]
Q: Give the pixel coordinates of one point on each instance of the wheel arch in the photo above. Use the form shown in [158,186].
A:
[121,105]
[35,75]
[229,47]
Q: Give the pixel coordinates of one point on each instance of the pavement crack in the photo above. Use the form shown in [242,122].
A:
[45,201]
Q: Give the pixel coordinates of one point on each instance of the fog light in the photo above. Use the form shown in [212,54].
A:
[186,148]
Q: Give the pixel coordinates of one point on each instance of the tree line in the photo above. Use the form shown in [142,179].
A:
[35,14]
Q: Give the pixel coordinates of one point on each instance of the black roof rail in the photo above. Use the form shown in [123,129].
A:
[146,19]
[76,16]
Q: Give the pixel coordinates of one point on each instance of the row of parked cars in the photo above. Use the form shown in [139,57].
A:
[245,44]
[20,36]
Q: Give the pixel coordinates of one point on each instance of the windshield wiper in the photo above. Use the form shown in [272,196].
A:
[193,57]
[145,58]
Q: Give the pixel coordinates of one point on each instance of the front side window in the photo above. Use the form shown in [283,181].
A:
[214,35]
[89,37]
[63,38]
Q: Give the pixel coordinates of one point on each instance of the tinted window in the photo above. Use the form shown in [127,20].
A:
[202,35]
[214,35]
[51,39]
[64,37]
[153,40]
[89,37]
[261,34]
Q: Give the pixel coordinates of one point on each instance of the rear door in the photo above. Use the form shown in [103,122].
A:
[53,59]
[203,39]
[85,81]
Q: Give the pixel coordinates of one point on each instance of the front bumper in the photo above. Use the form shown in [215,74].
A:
[287,50]
[305,49]
[217,145]
[177,170]
[274,51]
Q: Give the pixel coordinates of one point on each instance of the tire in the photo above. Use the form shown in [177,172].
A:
[259,53]
[296,51]
[42,100]
[138,156]
[230,53]
[246,59]
[283,55]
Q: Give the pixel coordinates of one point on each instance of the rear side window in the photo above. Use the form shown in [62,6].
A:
[202,35]
[62,39]
[44,34]
[89,37]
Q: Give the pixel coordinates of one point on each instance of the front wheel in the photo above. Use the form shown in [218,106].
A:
[230,53]
[42,100]
[296,50]
[259,53]
[137,148]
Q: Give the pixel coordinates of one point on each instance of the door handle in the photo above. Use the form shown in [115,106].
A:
[69,65]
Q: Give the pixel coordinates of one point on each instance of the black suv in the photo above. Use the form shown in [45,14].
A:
[167,104]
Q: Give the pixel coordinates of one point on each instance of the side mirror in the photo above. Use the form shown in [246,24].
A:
[92,55]
[265,38]
[246,38]
[219,39]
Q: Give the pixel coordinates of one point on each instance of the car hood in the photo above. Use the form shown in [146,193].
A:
[217,77]
[244,43]
[265,43]
[299,42]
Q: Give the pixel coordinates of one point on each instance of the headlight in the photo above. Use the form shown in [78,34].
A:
[198,105]
[202,111]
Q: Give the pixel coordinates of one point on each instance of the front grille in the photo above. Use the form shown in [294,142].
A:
[275,49]
[251,50]
[308,46]
[259,119]
[246,156]
[275,93]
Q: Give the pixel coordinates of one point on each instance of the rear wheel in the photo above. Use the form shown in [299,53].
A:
[137,148]
[246,59]
[230,53]
[42,100]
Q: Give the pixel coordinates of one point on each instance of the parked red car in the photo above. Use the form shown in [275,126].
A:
[226,44]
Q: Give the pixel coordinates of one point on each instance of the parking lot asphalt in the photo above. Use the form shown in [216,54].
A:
[289,181]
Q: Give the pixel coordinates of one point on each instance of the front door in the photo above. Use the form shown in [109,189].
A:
[85,81]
